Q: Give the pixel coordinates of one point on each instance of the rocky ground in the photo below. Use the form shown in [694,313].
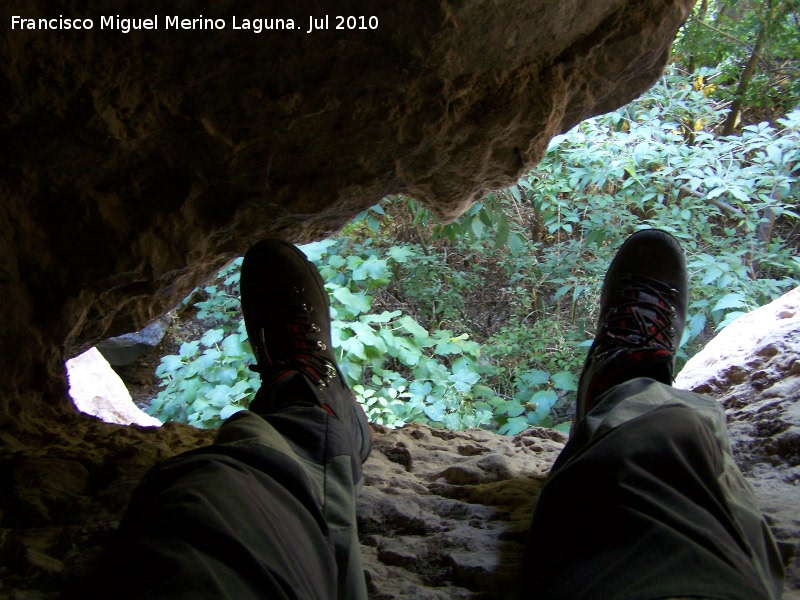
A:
[444,514]
[753,368]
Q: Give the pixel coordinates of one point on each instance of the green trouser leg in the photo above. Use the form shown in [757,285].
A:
[268,511]
[330,478]
[646,502]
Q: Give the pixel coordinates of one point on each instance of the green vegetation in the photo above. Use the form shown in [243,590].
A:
[484,322]
[746,55]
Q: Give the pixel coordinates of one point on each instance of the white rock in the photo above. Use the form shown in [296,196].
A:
[744,346]
[97,390]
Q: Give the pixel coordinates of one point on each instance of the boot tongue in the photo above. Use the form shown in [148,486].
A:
[285,389]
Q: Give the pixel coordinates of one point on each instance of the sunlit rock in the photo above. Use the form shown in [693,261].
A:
[97,390]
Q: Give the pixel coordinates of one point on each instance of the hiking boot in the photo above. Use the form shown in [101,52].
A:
[286,312]
[642,315]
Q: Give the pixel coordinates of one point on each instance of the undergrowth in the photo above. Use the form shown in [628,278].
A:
[484,322]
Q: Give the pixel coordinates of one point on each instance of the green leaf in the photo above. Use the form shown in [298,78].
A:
[435,411]
[169,364]
[515,243]
[384,317]
[232,345]
[351,370]
[229,411]
[775,154]
[356,303]
[535,377]
[354,347]
[412,327]
[366,335]
[696,325]
[219,396]
[400,254]
[212,337]
[511,408]
[514,426]
[464,379]
[732,300]
[482,391]
[562,290]
[564,427]
[373,223]
[730,318]
[420,389]
[544,401]
[316,250]
[372,268]
[437,373]
[739,194]
[453,421]
[189,349]
[565,380]
[503,231]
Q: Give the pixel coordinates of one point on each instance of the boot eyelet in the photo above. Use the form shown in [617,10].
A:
[321,346]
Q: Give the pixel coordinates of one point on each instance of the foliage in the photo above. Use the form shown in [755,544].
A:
[484,321]
[723,36]
[654,163]
[208,380]
[399,370]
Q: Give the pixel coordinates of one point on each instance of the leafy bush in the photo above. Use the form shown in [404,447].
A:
[208,380]
[484,322]
[723,36]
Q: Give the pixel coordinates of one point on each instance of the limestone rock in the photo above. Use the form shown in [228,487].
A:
[443,514]
[753,368]
[98,391]
[743,352]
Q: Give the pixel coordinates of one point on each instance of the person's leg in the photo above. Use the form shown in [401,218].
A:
[269,509]
[227,521]
[645,501]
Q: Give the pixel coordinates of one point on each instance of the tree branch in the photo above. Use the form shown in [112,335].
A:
[721,204]
[728,36]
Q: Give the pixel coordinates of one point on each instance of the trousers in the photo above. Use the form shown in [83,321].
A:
[267,511]
[644,502]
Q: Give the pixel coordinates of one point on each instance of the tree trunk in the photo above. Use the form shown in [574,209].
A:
[701,15]
[744,80]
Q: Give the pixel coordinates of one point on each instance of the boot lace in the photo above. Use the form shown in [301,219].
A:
[297,345]
[645,320]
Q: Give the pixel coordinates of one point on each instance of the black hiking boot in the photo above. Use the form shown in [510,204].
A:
[287,315]
[642,315]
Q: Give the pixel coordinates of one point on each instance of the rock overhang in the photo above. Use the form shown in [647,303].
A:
[141,161]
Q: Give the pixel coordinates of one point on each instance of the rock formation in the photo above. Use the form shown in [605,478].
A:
[98,391]
[136,164]
[753,368]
